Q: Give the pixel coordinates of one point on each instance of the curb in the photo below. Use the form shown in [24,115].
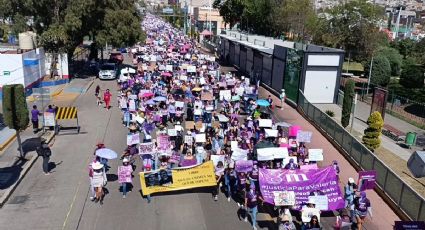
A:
[87,87]
[7,142]
[10,190]
[5,197]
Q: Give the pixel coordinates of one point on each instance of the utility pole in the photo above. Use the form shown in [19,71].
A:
[185,17]
[370,74]
[209,14]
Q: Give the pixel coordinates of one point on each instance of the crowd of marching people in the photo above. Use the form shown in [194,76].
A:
[177,92]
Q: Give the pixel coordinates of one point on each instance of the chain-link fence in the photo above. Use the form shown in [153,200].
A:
[403,197]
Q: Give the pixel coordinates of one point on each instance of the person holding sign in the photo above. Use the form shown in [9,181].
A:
[251,202]
[124,175]
[361,208]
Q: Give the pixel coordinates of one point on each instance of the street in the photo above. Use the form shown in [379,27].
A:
[60,200]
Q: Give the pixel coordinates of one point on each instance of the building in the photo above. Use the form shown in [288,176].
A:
[26,68]
[206,18]
[401,22]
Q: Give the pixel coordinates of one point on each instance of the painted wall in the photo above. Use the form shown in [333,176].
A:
[13,64]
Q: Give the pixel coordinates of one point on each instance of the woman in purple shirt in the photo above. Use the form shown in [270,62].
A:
[34,118]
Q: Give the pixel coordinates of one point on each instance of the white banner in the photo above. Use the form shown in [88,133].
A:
[225,95]
[304,136]
[239,154]
[191,69]
[320,201]
[49,119]
[200,138]
[217,158]
[265,123]
[265,154]
[315,154]
[271,132]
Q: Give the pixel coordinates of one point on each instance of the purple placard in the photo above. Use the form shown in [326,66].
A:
[187,162]
[409,225]
[163,142]
[367,180]
[244,166]
[302,182]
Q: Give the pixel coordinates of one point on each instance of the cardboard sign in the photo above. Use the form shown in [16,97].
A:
[265,123]
[49,119]
[188,140]
[321,202]
[124,174]
[189,125]
[271,132]
[315,154]
[225,95]
[172,132]
[169,67]
[307,213]
[207,96]
[133,139]
[304,136]
[217,158]
[233,145]
[367,180]
[265,154]
[284,198]
[179,104]
[200,138]
[199,125]
[146,148]
[239,154]
[191,69]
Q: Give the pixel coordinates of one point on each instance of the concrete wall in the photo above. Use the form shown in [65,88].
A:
[13,64]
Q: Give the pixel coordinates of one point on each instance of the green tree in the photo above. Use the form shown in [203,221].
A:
[257,17]
[412,77]
[404,46]
[15,110]
[371,138]
[381,71]
[393,57]
[347,103]
[230,10]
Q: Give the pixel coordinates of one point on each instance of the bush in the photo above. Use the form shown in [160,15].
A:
[15,110]
[347,103]
[412,77]
[330,113]
[393,57]
[371,138]
[381,71]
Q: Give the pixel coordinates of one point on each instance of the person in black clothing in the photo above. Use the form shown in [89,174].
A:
[44,151]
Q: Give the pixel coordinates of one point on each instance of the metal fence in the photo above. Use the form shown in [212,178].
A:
[400,194]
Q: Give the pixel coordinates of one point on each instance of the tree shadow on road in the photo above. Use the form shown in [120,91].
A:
[9,175]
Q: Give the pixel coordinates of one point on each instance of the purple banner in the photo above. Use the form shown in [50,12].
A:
[244,166]
[367,180]
[303,183]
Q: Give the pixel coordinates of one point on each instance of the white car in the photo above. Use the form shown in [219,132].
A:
[108,71]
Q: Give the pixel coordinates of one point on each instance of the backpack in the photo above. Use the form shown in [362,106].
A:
[47,152]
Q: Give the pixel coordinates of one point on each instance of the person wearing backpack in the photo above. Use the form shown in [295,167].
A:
[44,151]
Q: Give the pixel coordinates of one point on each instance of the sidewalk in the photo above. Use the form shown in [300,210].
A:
[383,217]
[13,170]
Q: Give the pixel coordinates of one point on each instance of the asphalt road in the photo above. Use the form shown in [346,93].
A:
[60,200]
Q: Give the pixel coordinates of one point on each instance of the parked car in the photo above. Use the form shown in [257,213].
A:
[108,71]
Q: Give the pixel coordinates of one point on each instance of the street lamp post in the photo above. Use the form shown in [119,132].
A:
[370,74]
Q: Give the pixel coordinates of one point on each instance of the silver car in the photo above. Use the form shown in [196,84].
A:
[108,71]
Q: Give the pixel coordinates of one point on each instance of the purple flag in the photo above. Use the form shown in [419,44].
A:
[367,180]
[303,183]
[244,166]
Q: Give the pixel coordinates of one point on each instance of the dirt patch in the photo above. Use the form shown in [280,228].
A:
[399,166]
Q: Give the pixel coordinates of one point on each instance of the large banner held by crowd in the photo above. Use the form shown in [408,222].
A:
[303,183]
[178,178]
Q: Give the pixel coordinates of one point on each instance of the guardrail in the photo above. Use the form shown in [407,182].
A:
[405,201]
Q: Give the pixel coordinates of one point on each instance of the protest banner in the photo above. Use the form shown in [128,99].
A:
[200,138]
[309,167]
[202,81]
[409,225]
[302,182]
[244,166]
[265,123]
[225,95]
[49,119]
[191,69]
[146,148]
[222,118]
[284,198]
[239,154]
[321,202]
[169,67]
[133,139]
[367,180]
[172,132]
[124,174]
[183,77]
[189,125]
[280,153]
[304,136]
[315,154]
[217,158]
[178,178]
[307,213]
[207,96]
[265,154]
